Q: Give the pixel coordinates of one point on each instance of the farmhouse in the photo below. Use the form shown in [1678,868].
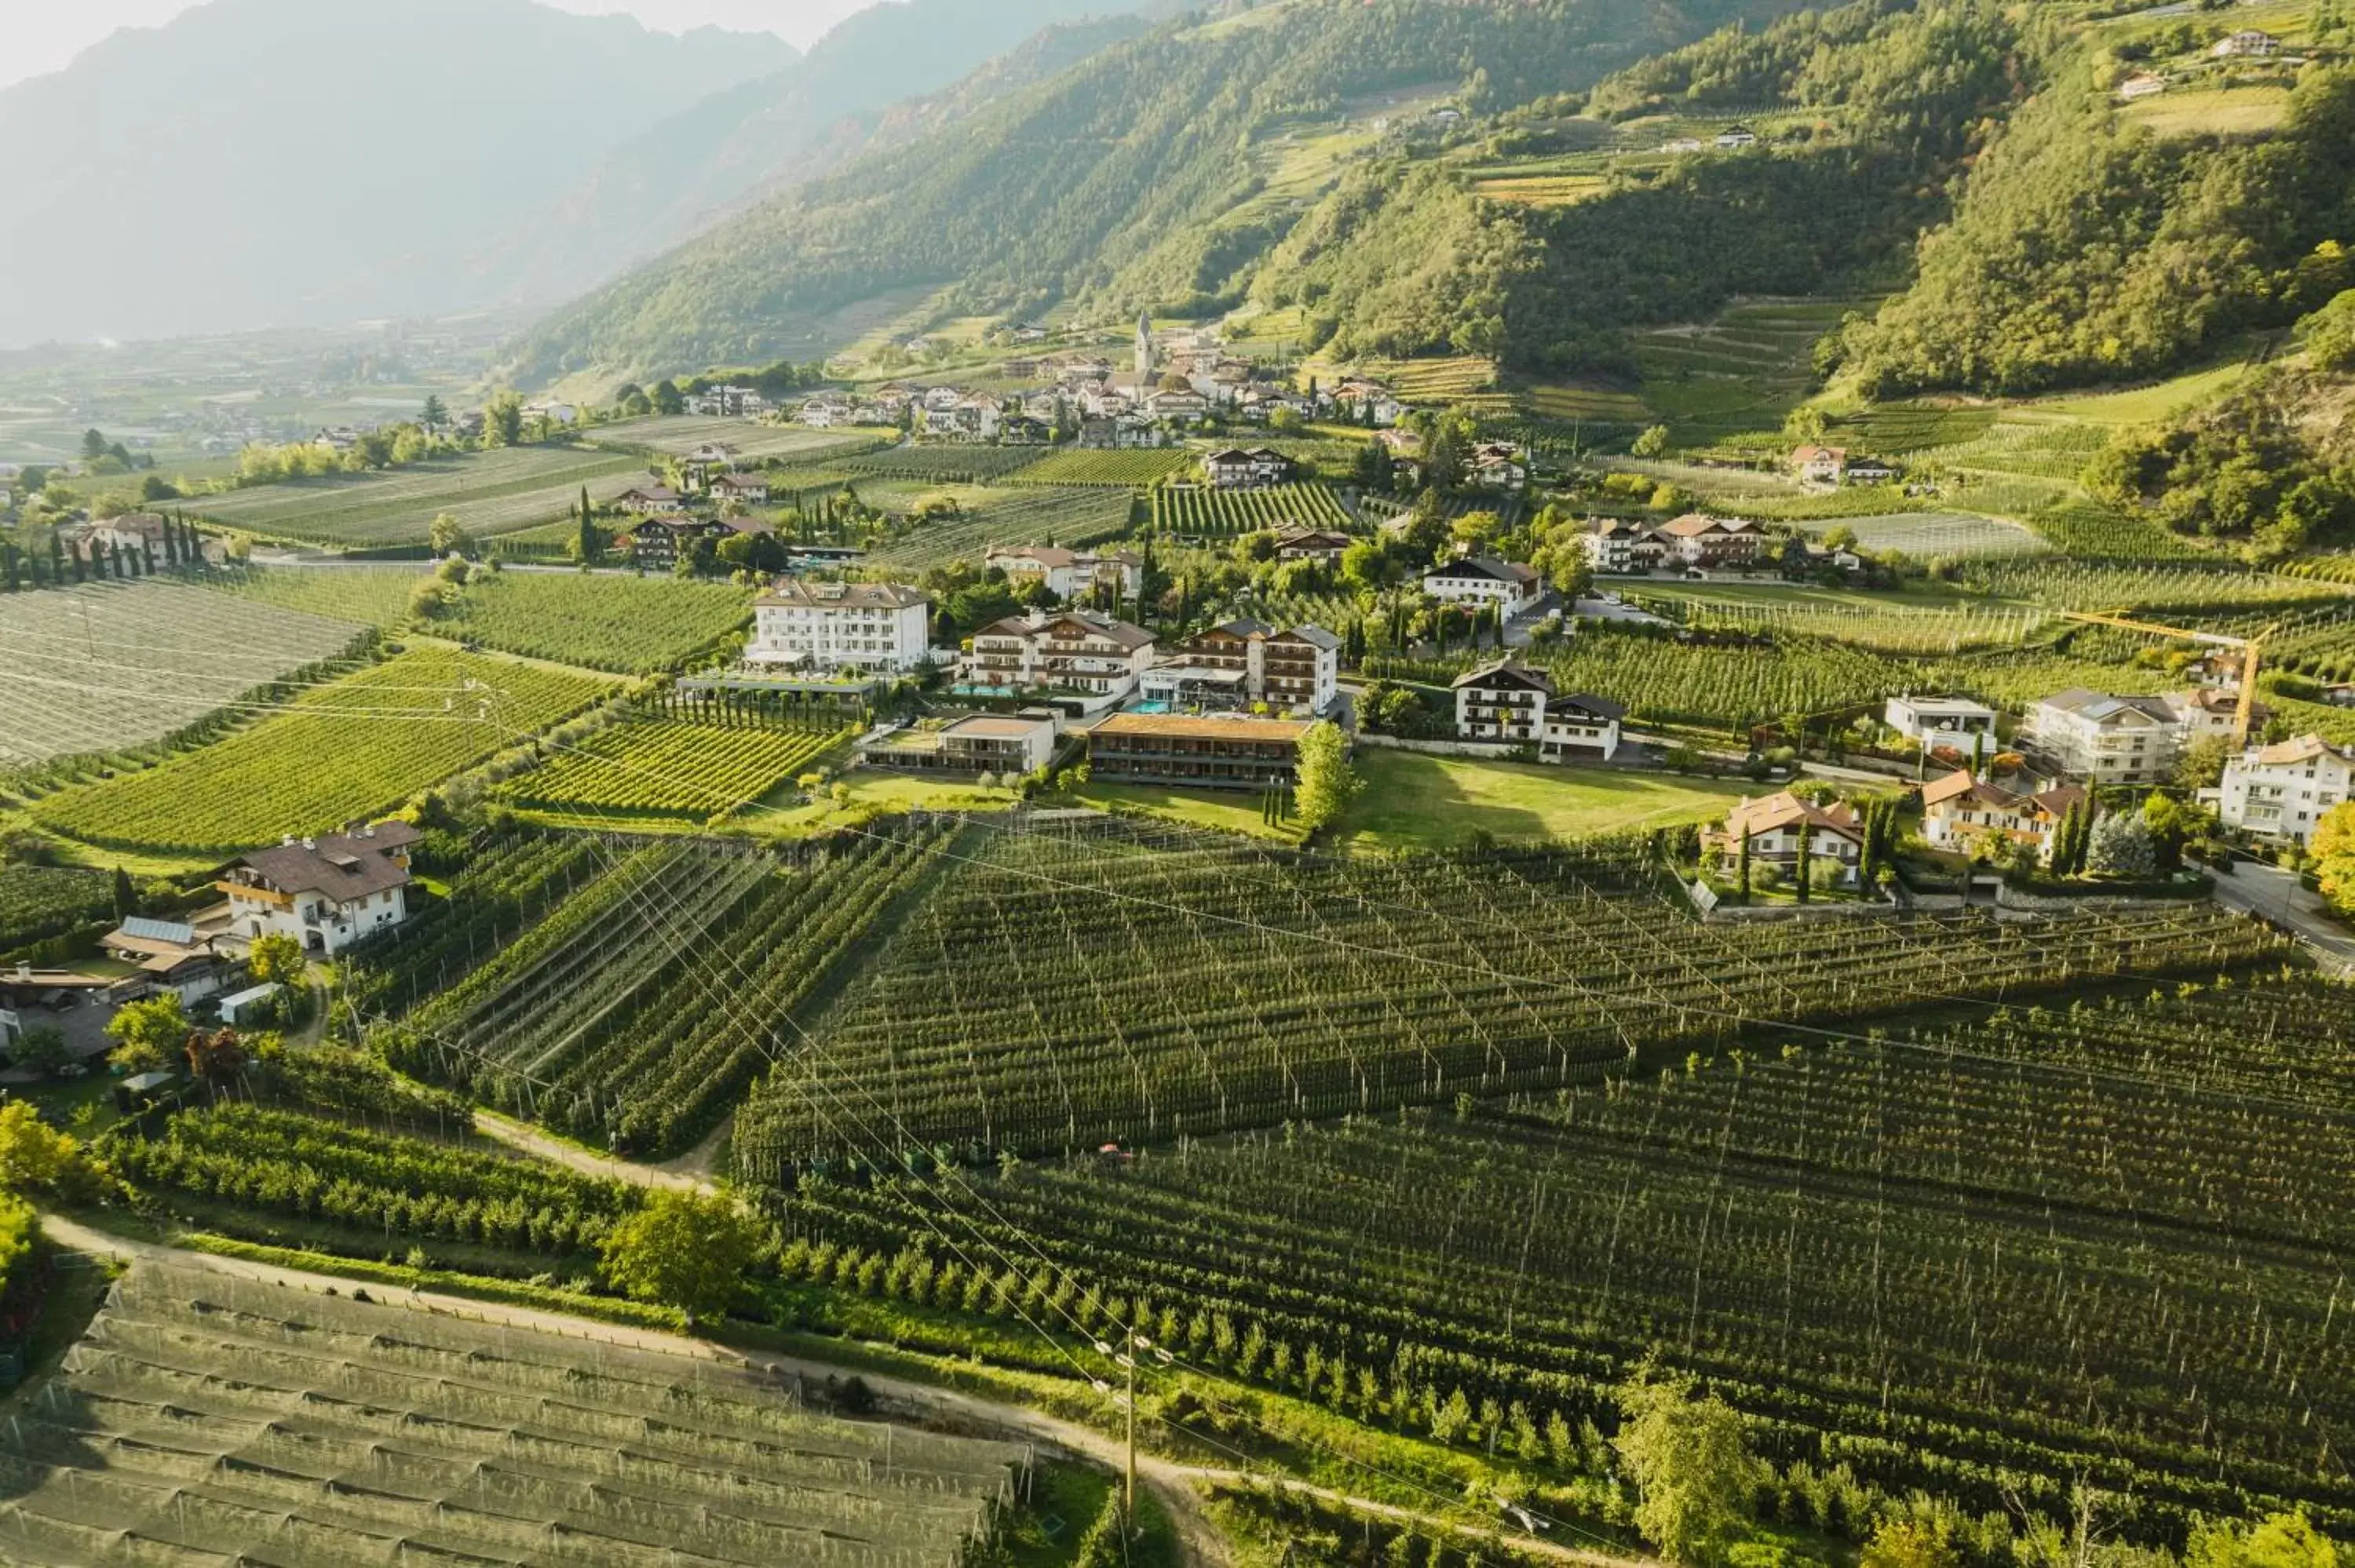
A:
[2141,85]
[1706,543]
[2248,44]
[2207,713]
[1485,580]
[1773,825]
[1506,701]
[1819,465]
[1734,138]
[661,541]
[1246,660]
[185,957]
[326,893]
[1615,546]
[2105,739]
[1006,743]
[873,626]
[1499,467]
[1581,727]
[1235,468]
[1067,573]
[1960,809]
[728,402]
[1226,752]
[2283,791]
[1939,721]
[648,501]
[747,488]
[1071,650]
[1311,544]
[1869,471]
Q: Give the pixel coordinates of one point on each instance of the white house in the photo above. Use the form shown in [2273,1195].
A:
[873,626]
[1067,572]
[750,489]
[1497,466]
[326,893]
[1734,139]
[1581,727]
[2249,44]
[1615,546]
[1819,465]
[1235,468]
[185,958]
[1959,808]
[1940,721]
[2105,739]
[1245,660]
[1093,654]
[2283,791]
[1505,700]
[1484,580]
[1774,824]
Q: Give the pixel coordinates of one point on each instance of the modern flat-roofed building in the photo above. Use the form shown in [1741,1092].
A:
[1225,752]
[1010,744]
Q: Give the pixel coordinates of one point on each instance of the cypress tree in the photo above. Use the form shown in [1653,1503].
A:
[57,559]
[1807,855]
[126,896]
[1743,863]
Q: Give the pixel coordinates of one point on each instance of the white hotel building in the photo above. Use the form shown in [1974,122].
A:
[826,626]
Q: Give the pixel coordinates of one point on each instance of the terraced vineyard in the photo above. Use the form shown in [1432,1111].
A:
[668,769]
[1880,626]
[204,1418]
[501,492]
[2083,1243]
[629,625]
[1123,470]
[102,666]
[1070,517]
[636,1006]
[2152,589]
[337,752]
[1200,513]
[1065,989]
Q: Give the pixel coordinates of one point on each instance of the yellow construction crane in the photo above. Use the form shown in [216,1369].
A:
[2252,650]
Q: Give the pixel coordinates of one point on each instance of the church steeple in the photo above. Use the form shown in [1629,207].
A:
[1144,347]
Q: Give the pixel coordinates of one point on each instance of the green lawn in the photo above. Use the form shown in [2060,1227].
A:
[1416,802]
[1227,810]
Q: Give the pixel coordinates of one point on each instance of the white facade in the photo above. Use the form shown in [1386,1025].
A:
[872,626]
[1479,581]
[1093,654]
[1577,728]
[1067,572]
[2285,792]
[2107,739]
[327,893]
[1939,721]
[1503,702]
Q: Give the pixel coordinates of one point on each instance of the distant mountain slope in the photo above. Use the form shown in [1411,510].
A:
[273,162]
[759,137]
[1118,183]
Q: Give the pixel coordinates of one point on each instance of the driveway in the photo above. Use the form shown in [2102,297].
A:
[2269,891]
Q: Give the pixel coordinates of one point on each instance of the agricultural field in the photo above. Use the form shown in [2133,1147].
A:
[1413,802]
[1882,624]
[947,464]
[1016,515]
[501,492]
[636,1007]
[1178,1011]
[1125,469]
[1200,513]
[2211,590]
[1933,536]
[201,1411]
[629,625]
[1853,1240]
[335,753]
[1462,382]
[37,902]
[2229,110]
[99,667]
[755,443]
[362,595]
[667,769]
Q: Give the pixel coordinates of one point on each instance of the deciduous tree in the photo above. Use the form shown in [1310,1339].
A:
[1691,1461]
[687,1250]
[1327,782]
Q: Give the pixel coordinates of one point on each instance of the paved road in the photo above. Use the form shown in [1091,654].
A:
[1175,1485]
[2276,895]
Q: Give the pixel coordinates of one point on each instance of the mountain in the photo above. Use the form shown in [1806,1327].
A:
[273,162]
[879,74]
[1164,168]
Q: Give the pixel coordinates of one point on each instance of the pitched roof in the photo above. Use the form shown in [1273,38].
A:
[1048,555]
[799,593]
[2101,707]
[1486,566]
[1694,524]
[1787,811]
[1594,706]
[2305,748]
[1503,673]
[1960,785]
[1118,631]
[344,866]
[1314,636]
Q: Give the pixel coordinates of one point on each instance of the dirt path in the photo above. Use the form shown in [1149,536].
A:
[530,1139]
[1176,1486]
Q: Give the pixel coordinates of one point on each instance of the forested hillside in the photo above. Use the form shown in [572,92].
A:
[1124,181]
[881,78]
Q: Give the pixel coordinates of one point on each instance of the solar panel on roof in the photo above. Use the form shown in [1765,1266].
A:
[160,931]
